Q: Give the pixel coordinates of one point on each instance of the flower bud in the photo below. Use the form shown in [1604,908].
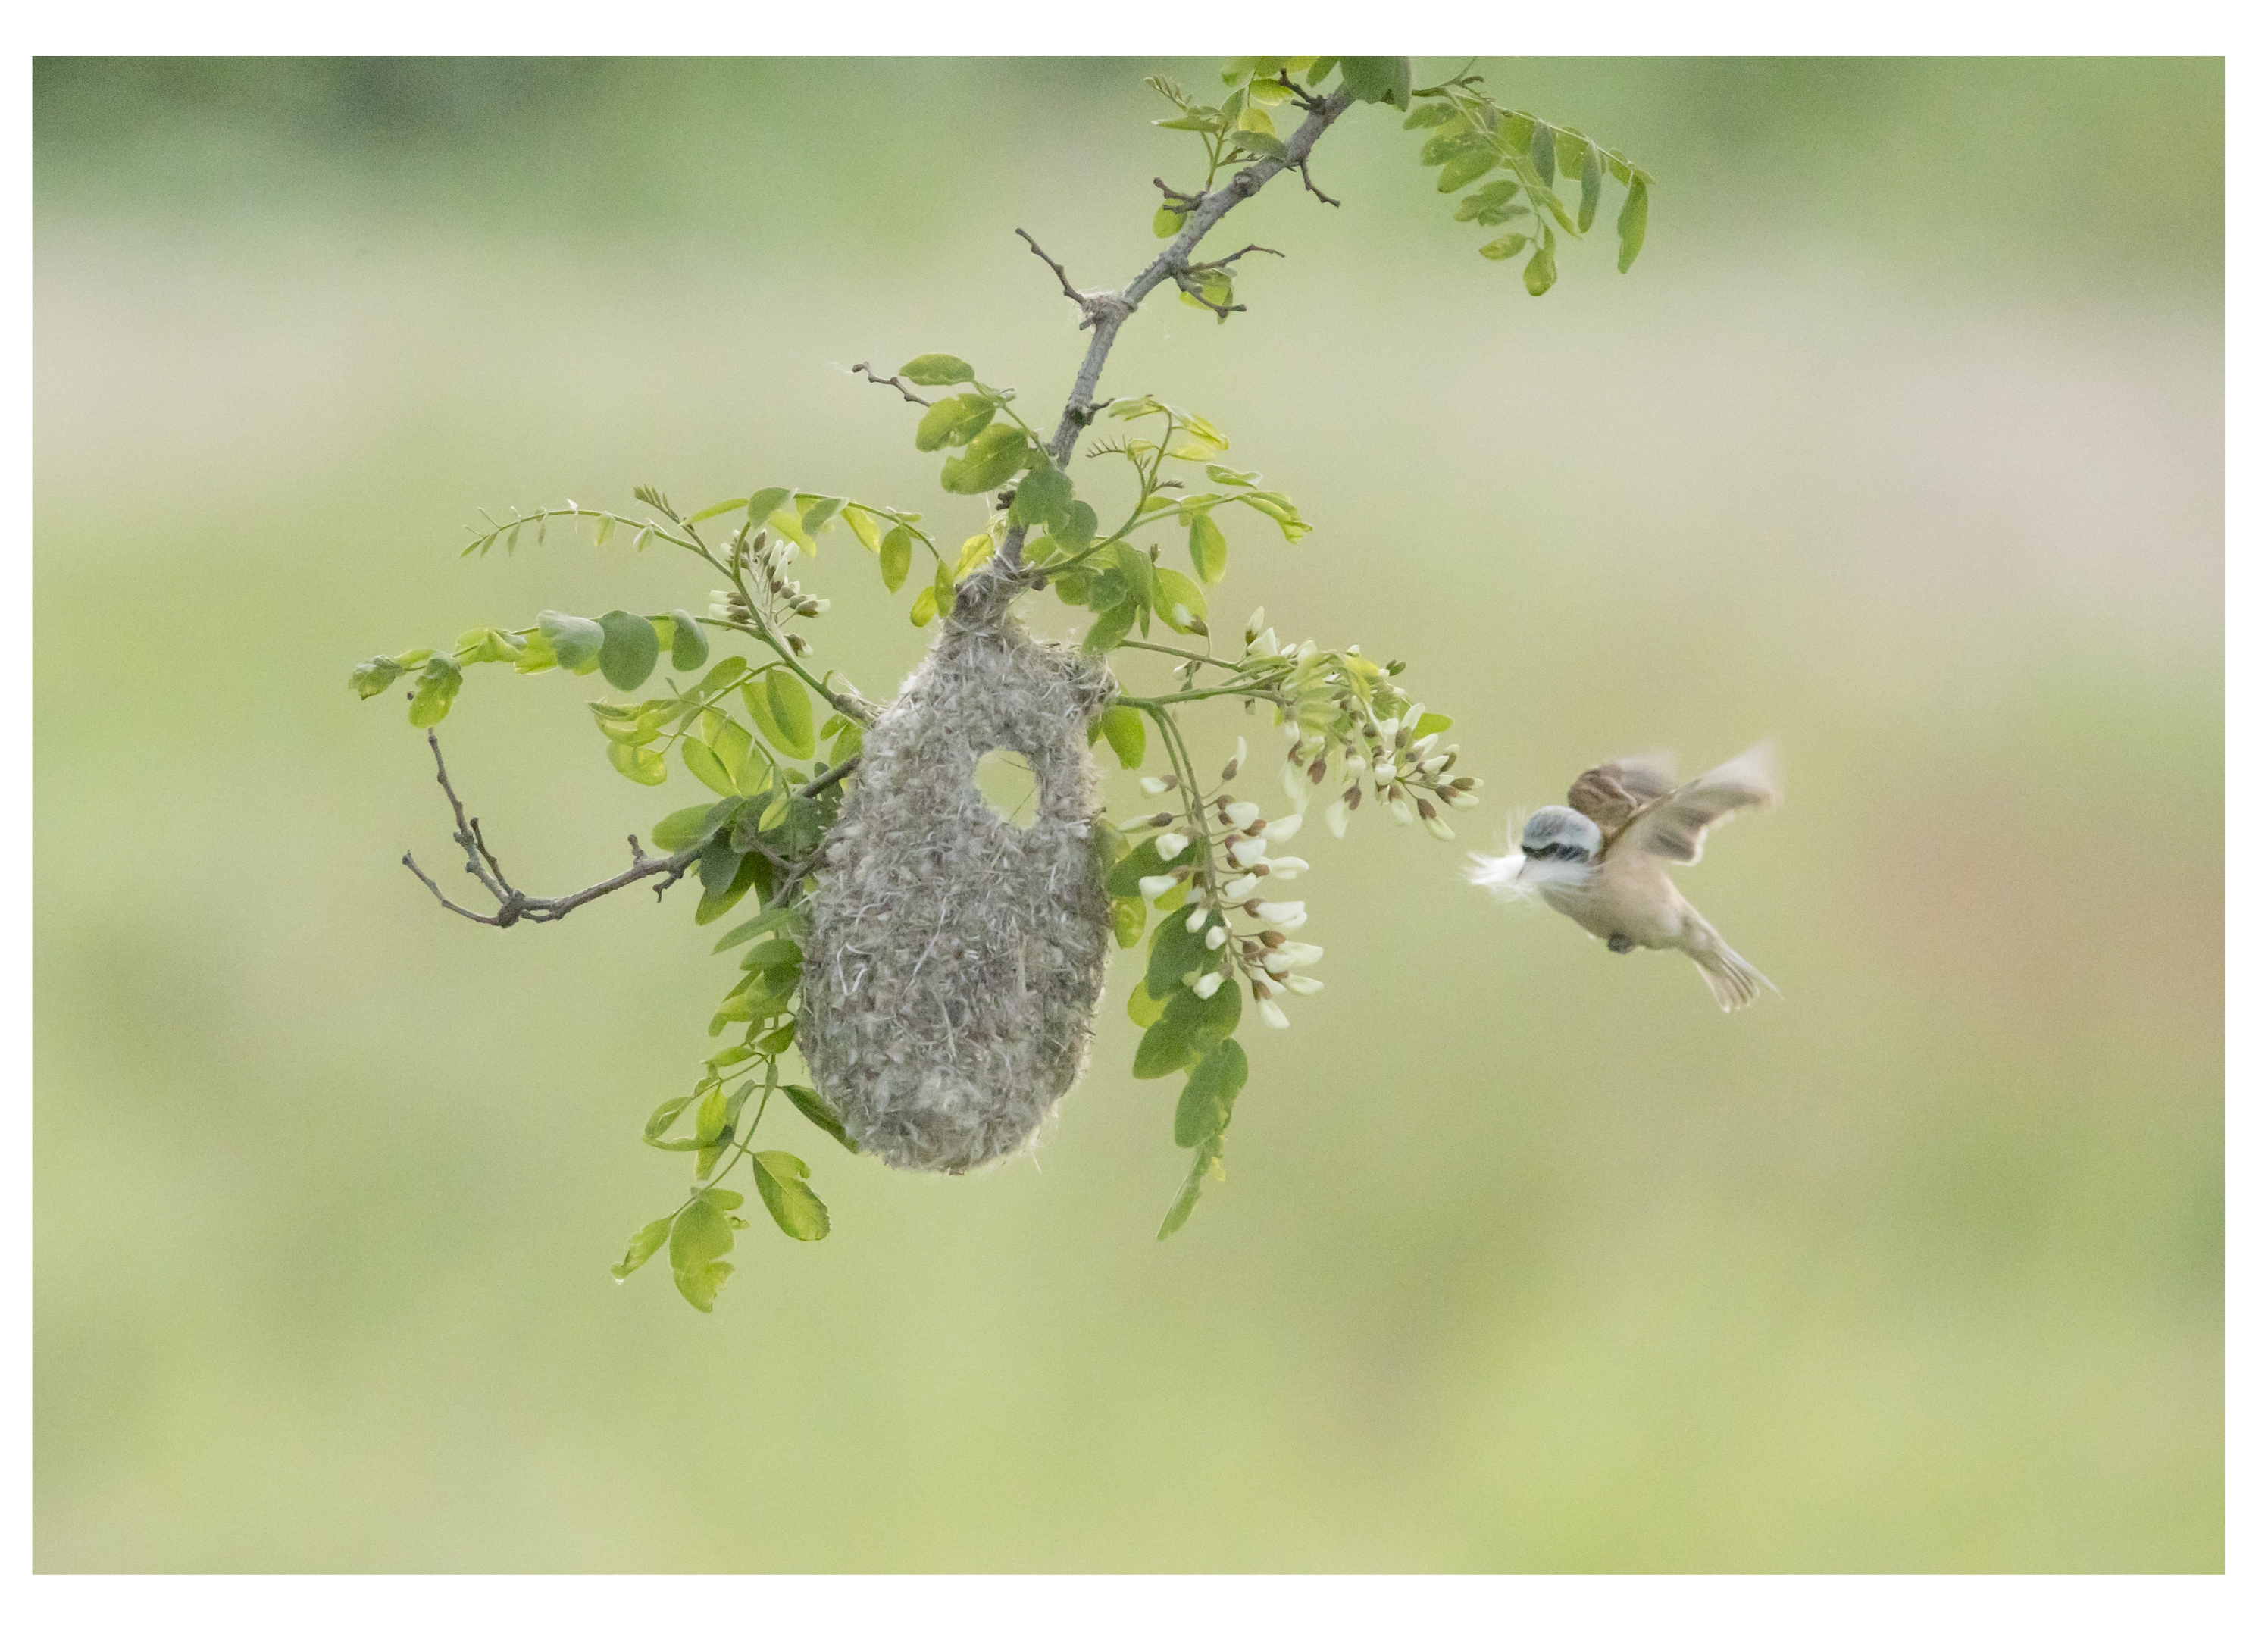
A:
[1283,829]
[1154,887]
[1197,919]
[1205,985]
[1299,986]
[1154,786]
[1272,1014]
[1171,845]
[1291,913]
[1217,937]
[1438,829]
[1239,814]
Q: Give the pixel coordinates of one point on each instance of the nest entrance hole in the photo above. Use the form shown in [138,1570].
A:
[1010,788]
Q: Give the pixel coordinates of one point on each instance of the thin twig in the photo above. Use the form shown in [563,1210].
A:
[1306,99]
[1179,203]
[1310,182]
[1062,277]
[1199,267]
[512,904]
[889,380]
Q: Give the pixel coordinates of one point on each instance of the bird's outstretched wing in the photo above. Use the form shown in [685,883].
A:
[1613,793]
[1674,825]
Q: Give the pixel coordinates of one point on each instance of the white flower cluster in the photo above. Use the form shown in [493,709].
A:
[763,565]
[1220,856]
[1331,728]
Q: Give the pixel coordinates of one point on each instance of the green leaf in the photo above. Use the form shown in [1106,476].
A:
[1043,498]
[705,765]
[937,369]
[484,645]
[1141,1006]
[1377,79]
[1541,271]
[774,919]
[721,676]
[689,646]
[1076,531]
[818,511]
[628,654]
[798,1210]
[897,555]
[576,642]
[1464,168]
[925,608]
[1166,1047]
[764,502]
[701,1235]
[1179,603]
[1187,1029]
[994,456]
[753,871]
[1258,141]
[951,421]
[1164,222]
[1123,880]
[1175,952]
[1129,736]
[664,1116]
[781,707]
[1451,144]
[865,526]
[1595,177]
[1210,1096]
[814,1109]
[643,764]
[437,681]
[1187,1200]
[1544,152]
[1110,628]
[644,1243]
[1430,114]
[1630,226]
[1208,548]
[373,676]
[690,825]
[1504,248]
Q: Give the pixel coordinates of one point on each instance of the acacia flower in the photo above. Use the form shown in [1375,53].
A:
[1272,1014]
[1205,986]
[1154,887]
[1247,851]
[1154,786]
[1217,937]
[1289,912]
[1286,869]
[1239,813]
[1299,986]
[1237,889]
[1172,845]
[1283,829]
[1197,919]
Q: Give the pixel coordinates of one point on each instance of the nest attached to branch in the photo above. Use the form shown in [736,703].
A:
[955,961]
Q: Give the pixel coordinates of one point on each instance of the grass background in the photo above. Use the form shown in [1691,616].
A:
[1902,443]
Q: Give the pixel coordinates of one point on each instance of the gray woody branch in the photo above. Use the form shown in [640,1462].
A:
[513,905]
[1106,311]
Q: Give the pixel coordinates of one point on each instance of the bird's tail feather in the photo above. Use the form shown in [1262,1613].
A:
[1732,983]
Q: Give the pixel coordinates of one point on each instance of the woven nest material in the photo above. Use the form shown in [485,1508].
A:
[954,961]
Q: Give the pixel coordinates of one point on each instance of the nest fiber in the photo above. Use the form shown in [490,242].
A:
[954,961]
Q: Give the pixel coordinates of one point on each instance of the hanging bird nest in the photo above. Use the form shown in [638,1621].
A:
[954,961]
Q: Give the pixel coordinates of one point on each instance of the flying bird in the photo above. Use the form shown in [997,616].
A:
[1599,860]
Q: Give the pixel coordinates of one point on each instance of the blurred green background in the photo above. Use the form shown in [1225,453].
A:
[1901,444]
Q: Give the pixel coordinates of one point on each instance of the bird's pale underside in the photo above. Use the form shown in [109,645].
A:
[1600,860]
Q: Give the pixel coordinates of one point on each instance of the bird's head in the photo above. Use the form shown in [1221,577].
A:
[1561,835]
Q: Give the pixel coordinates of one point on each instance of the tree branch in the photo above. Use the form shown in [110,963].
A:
[992,586]
[511,904]
[890,380]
